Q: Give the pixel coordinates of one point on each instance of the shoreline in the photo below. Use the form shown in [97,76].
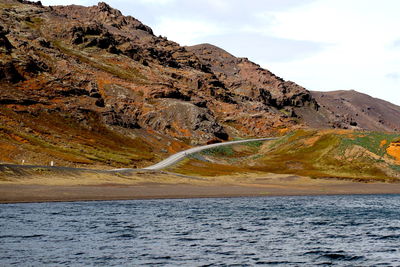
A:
[30,185]
[187,197]
[31,193]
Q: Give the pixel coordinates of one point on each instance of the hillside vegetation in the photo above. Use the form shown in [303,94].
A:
[356,155]
[40,138]
[90,87]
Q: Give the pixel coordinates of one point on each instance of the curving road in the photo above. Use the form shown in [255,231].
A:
[161,165]
[181,155]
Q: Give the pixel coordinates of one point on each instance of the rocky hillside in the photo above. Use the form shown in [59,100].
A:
[359,110]
[90,86]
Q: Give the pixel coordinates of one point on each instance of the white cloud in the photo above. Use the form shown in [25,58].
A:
[396,43]
[186,31]
[156,2]
[264,48]
[361,34]
[394,76]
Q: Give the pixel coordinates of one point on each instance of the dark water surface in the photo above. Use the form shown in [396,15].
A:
[287,231]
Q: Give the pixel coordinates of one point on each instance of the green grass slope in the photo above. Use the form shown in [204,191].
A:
[41,137]
[363,156]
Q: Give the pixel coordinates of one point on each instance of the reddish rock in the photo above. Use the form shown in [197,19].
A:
[93,60]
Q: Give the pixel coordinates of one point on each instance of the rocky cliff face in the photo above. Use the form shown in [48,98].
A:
[267,99]
[93,59]
[97,67]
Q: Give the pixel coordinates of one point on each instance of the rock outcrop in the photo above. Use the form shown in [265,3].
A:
[93,59]
[94,62]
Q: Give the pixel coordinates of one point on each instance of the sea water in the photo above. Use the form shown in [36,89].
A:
[287,231]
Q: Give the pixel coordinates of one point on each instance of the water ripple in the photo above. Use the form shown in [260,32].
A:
[281,231]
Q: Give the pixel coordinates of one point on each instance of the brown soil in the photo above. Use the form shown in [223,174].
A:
[160,186]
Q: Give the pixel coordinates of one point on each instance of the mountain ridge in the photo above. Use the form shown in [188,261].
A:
[94,73]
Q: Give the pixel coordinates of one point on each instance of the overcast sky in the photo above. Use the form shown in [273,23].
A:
[320,44]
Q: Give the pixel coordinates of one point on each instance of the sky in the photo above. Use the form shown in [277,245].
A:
[322,45]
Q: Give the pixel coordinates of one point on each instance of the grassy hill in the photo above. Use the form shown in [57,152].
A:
[38,138]
[344,154]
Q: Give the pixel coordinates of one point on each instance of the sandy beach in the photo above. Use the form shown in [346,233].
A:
[91,186]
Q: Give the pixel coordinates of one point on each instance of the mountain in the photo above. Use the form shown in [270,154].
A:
[88,86]
[361,110]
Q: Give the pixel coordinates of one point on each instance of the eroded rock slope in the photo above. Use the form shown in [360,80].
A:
[94,71]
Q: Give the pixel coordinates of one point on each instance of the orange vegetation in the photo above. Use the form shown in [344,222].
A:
[175,147]
[383,143]
[6,151]
[311,141]
[283,131]
[18,138]
[394,150]
[181,132]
